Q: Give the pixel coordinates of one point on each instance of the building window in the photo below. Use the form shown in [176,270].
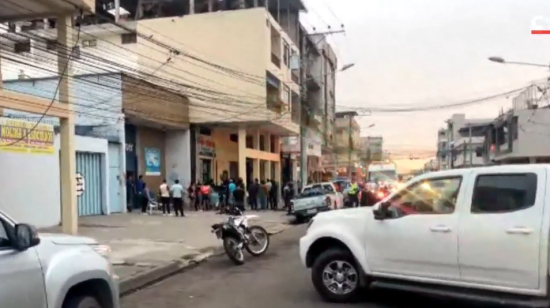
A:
[205,131]
[497,194]
[129,38]
[51,45]
[89,43]
[22,47]
[249,142]
[76,53]
[234,137]
[286,53]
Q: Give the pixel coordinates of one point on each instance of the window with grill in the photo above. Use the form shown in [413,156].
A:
[129,38]
[22,47]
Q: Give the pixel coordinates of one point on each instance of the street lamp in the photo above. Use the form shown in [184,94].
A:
[346,67]
[502,61]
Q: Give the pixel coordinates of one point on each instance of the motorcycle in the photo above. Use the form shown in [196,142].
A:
[236,234]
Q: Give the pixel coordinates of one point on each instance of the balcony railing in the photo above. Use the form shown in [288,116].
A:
[276,60]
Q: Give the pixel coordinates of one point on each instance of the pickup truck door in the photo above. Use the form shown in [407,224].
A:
[500,228]
[420,240]
[22,282]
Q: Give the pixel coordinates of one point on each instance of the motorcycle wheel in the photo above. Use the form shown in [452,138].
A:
[259,229]
[235,255]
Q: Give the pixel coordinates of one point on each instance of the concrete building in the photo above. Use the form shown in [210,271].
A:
[124,124]
[347,144]
[460,143]
[375,148]
[520,135]
[60,107]
[236,71]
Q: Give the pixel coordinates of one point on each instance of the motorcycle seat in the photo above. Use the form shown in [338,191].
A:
[217,226]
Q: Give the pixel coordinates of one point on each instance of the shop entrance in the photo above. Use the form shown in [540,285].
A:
[249,170]
[206,170]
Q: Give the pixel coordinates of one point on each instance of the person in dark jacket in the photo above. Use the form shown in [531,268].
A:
[239,195]
[273,195]
[288,195]
[253,189]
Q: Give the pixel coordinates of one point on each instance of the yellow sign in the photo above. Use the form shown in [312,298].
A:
[23,137]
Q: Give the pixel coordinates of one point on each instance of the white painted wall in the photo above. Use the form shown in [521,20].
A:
[178,156]
[30,184]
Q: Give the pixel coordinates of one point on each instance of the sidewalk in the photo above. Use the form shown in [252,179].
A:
[146,248]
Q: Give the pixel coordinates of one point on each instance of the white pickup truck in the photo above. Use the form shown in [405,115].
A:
[479,234]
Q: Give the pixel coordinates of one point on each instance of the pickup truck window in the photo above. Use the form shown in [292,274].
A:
[433,196]
[4,239]
[500,193]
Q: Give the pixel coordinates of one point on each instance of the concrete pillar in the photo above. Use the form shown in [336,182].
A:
[241,4]
[267,144]
[256,170]
[255,3]
[256,140]
[210,5]
[191,7]
[242,154]
[268,170]
[277,178]
[69,211]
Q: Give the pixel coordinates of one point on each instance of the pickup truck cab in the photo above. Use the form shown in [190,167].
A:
[316,198]
[479,234]
[53,270]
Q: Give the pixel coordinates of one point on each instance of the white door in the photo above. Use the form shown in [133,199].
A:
[500,232]
[420,239]
[21,280]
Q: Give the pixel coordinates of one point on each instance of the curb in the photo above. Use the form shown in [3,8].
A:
[153,275]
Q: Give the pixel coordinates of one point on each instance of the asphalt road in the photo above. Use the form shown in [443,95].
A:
[275,280]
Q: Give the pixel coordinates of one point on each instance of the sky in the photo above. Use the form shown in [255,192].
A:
[429,52]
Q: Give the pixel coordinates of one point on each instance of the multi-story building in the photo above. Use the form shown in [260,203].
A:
[460,143]
[30,143]
[375,148]
[236,61]
[518,135]
[347,143]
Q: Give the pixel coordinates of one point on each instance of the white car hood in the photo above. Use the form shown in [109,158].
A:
[358,212]
[64,239]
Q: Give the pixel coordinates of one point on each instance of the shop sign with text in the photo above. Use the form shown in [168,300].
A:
[206,147]
[26,137]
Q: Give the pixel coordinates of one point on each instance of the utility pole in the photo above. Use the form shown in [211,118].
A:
[303,111]
[350,145]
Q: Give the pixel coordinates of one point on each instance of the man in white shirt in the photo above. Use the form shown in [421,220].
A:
[165,198]
[177,195]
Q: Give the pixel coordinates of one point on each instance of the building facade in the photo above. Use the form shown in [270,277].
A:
[347,144]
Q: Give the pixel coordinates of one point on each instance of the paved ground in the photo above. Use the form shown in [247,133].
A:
[275,280]
[140,243]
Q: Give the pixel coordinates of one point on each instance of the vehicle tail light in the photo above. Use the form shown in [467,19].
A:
[380,195]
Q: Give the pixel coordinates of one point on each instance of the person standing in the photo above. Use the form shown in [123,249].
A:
[191,195]
[253,194]
[273,195]
[141,198]
[165,198]
[146,195]
[353,193]
[288,195]
[268,195]
[130,193]
[177,196]
[262,195]
[239,195]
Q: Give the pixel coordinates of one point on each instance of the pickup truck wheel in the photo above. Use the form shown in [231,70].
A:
[82,302]
[335,275]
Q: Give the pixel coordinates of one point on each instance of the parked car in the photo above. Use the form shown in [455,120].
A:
[47,270]
[315,198]
[480,233]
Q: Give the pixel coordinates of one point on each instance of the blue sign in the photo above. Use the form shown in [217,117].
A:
[152,161]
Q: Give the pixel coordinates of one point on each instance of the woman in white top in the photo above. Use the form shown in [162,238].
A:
[165,198]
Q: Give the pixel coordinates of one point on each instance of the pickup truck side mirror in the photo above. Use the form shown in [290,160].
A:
[25,237]
[381,212]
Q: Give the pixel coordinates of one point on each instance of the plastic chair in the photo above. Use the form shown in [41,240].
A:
[153,203]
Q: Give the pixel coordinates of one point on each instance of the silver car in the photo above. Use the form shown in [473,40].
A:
[53,270]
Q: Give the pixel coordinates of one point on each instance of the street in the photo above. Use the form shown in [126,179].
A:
[275,280]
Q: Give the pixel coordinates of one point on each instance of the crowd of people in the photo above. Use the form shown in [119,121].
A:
[206,196]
